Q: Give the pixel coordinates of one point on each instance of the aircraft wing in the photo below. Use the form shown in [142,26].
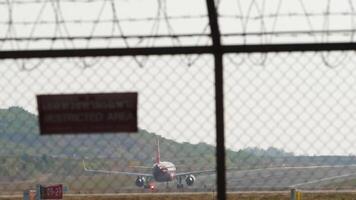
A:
[115,172]
[203,172]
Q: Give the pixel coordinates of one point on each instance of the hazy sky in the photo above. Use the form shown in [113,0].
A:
[301,102]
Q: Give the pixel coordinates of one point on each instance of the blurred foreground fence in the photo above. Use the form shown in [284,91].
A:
[289,121]
[245,117]
[297,109]
[175,107]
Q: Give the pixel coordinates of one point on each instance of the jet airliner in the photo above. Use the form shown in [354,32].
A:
[162,171]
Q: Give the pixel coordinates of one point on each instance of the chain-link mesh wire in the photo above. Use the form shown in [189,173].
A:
[175,106]
[289,116]
[290,120]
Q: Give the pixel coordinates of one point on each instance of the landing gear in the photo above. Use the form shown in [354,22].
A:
[148,183]
[179,183]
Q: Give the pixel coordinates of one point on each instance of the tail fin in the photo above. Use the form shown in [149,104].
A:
[158,155]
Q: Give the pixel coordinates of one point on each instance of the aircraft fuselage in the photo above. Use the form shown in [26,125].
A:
[164,171]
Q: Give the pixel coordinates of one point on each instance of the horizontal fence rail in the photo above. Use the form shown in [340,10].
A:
[176,50]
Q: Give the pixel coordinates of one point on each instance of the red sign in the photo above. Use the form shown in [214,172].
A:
[87,113]
[52,192]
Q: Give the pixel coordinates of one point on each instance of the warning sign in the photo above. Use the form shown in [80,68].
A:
[51,192]
[87,113]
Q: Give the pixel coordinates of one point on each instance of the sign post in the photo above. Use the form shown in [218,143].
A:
[293,194]
[29,195]
[38,192]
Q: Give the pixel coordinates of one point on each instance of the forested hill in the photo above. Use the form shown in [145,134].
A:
[19,136]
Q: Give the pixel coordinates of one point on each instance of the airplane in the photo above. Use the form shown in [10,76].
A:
[162,171]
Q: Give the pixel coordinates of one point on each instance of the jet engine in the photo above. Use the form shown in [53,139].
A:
[190,180]
[140,181]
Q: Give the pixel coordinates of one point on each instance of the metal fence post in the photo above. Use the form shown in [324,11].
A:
[26,195]
[219,99]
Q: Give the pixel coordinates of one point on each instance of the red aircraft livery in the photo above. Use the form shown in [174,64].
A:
[162,171]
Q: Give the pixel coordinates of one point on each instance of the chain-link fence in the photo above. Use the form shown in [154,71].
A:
[175,108]
[290,120]
[288,116]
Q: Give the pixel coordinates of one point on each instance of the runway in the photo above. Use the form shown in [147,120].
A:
[164,196]
[282,178]
[273,179]
[315,178]
[316,195]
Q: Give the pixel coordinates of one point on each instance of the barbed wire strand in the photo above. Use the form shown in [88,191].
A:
[256,11]
[85,63]
[121,31]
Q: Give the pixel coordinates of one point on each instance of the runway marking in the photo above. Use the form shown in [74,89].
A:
[281,169]
[301,167]
[323,180]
